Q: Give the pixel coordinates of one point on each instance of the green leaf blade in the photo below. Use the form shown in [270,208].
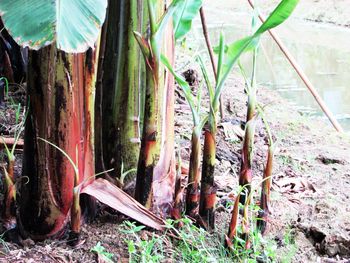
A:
[20,23]
[183,16]
[236,49]
[278,16]
[73,24]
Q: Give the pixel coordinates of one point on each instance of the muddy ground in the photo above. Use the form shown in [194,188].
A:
[311,183]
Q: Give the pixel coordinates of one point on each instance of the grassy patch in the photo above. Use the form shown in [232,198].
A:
[192,244]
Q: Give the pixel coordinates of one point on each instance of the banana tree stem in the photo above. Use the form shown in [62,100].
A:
[211,53]
[303,76]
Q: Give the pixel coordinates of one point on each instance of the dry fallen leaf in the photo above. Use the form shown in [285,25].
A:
[114,197]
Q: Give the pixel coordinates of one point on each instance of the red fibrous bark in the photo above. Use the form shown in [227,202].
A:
[61,98]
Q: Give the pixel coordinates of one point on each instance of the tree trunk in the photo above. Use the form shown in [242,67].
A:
[60,97]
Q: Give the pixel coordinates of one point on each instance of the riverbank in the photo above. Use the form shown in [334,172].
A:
[324,11]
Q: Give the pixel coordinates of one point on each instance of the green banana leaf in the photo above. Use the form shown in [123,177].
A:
[73,24]
[236,49]
[182,17]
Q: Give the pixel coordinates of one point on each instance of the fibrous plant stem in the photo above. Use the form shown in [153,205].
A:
[118,126]
[267,178]
[265,191]
[193,190]
[232,231]
[61,95]
[208,187]
[155,179]
[149,153]
[10,193]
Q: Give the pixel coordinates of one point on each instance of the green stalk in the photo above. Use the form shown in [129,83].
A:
[156,164]
[246,174]
[208,187]
[150,145]
[118,127]
[193,194]
[150,142]
[248,144]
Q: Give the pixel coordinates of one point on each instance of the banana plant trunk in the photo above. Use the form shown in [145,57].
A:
[156,176]
[60,98]
[265,191]
[165,171]
[150,146]
[208,187]
[117,104]
[245,177]
[194,176]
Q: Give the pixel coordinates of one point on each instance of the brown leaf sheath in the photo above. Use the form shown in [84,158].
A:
[208,188]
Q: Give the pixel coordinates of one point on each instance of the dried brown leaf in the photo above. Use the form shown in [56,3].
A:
[114,197]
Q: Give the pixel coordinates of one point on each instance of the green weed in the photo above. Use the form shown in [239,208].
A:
[193,244]
[141,249]
[101,251]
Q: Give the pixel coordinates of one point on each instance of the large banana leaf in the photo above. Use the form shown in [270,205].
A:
[183,16]
[236,49]
[73,24]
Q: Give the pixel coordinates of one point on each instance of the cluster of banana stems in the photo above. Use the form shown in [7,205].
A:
[201,191]
[200,201]
[244,196]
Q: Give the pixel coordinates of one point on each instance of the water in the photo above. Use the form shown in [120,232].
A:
[322,51]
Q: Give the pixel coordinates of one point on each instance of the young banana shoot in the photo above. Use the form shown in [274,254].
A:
[193,190]
[151,47]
